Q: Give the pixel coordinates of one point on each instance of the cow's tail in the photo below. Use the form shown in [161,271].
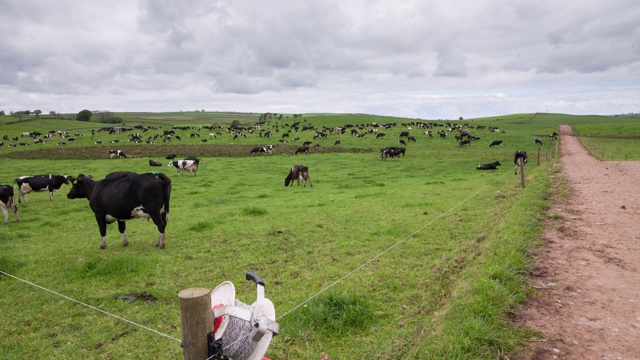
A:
[166,191]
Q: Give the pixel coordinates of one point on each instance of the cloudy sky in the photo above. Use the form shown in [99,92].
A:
[430,59]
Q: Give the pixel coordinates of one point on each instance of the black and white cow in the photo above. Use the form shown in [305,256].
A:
[189,164]
[537,141]
[266,149]
[495,143]
[7,201]
[519,156]
[298,172]
[118,153]
[125,196]
[392,152]
[51,183]
[492,166]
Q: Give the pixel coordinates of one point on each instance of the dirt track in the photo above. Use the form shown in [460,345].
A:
[590,265]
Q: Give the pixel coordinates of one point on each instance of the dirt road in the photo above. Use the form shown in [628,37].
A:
[590,265]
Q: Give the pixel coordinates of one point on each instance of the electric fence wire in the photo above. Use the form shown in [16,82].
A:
[90,307]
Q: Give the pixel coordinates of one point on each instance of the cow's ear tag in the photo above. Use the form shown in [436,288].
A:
[75,182]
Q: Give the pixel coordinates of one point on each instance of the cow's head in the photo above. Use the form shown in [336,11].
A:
[80,187]
[63,178]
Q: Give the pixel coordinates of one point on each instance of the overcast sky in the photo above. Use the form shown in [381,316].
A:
[430,59]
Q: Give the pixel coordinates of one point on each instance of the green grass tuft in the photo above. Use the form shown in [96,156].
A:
[335,314]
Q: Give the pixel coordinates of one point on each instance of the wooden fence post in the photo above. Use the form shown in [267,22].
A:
[197,321]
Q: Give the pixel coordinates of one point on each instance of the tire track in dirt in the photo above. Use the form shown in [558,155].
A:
[588,273]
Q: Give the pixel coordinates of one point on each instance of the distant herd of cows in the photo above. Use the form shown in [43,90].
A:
[123,196]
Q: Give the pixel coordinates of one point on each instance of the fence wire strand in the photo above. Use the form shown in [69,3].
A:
[89,306]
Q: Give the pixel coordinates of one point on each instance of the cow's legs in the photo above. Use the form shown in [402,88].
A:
[51,195]
[161,222]
[14,207]
[160,244]
[102,226]
[122,226]
[22,192]
[3,207]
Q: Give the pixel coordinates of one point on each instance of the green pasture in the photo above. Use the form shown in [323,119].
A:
[423,256]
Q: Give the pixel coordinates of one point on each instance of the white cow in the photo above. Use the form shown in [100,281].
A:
[189,164]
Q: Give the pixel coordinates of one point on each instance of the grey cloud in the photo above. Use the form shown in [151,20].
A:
[414,57]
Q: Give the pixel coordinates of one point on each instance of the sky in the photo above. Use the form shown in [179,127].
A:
[429,59]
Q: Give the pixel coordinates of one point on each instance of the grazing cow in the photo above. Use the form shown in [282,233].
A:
[492,166]
[519,156]
[411,139]
[298,172]
[154,163]
[400,141]
[303,149]
[537,141]
[404,134]
[125,196]
[465,142]
[190,164]
[170,156]
[495,143]
[7,202]
[336,143]
[391,152]
[380,135]
[118,153]
[51,183]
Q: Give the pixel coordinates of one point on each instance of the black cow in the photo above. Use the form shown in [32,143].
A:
[190,164]
[125,196]
[537,141]
[118,153]
[154,163]
[303,149]
[51,183]
[519,156]
[171,156]
[400,141]
[7,202]
[298,172]
[404,134]
[496,142]
[492,166]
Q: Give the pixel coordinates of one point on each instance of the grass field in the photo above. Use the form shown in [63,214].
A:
[418,257]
